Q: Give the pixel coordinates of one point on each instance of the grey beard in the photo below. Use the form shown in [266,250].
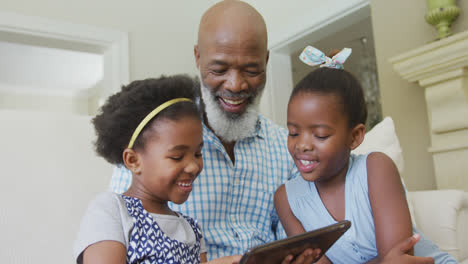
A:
[228,127]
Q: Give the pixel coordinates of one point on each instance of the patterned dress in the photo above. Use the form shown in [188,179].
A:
[148,244]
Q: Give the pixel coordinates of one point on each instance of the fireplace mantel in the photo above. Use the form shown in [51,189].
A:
[441,68]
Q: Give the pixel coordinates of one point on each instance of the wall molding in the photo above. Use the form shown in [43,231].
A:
[113,44]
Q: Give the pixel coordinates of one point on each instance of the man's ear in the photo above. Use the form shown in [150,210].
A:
[196,52]
[132,161]
[267,57]
[357,136]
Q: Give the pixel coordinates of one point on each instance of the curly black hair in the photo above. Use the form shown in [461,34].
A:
[340,83]
[123,111]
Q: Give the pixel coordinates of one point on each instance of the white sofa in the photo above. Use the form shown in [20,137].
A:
[441,215]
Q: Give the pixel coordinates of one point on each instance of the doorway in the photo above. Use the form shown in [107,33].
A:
[57,66]
[352,29]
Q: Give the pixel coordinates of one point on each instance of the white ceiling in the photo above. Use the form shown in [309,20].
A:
[41,70]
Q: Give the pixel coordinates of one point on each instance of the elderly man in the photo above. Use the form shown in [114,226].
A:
[245,155]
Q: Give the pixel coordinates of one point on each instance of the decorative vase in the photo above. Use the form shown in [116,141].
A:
[441,14]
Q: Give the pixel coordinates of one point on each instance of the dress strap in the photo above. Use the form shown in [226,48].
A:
[194,224]
[298,186]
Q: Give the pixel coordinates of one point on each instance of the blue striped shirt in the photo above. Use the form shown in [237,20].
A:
[234,202]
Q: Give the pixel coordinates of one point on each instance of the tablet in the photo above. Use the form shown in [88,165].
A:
[276,251]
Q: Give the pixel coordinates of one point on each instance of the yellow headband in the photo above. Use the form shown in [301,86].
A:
[150,116]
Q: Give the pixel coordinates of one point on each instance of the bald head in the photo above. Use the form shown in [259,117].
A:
[232,21]
[231,55]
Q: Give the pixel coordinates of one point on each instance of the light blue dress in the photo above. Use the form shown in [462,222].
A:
[358,244]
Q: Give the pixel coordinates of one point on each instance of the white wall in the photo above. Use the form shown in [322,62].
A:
[73,105]
[49,173]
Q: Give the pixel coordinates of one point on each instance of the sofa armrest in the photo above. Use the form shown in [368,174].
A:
[442,215]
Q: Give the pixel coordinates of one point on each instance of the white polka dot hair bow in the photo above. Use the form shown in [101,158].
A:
[312,56]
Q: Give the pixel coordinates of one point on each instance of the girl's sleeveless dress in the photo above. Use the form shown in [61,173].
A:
[148,243]
[358,244]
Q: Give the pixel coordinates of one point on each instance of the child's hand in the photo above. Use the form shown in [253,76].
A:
[398,254]
[308,256]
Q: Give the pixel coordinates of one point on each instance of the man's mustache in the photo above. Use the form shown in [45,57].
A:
[231,95]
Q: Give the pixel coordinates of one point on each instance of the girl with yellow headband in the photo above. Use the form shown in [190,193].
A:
[154,128]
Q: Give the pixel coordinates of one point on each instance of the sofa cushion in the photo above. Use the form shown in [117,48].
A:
[382,138]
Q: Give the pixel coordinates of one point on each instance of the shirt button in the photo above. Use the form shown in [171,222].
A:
[236,181]
[233,218]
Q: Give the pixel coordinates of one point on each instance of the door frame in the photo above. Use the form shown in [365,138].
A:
[279,72]
[110,43]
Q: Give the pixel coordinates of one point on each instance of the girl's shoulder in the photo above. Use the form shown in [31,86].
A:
[375,158]
[101,221]
[379,165]
[107,207]
[107,196]
[107,201]
[360,163]
[368,160]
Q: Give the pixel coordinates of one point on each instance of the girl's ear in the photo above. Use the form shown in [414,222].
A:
[132,161]
[357,136]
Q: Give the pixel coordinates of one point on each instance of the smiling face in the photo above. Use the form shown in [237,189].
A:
[231,55]
[320,139]
[232,80]
[170,161]
[233,70]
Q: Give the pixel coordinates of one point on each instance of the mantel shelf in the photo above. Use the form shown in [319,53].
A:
[437,57]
